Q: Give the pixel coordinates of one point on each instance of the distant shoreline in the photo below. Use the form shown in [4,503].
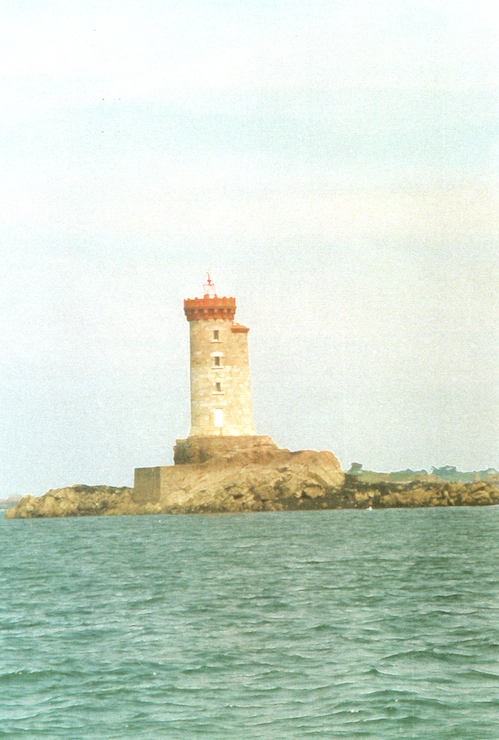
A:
[9,503]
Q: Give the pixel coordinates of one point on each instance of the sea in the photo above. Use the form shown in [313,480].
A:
[322,624]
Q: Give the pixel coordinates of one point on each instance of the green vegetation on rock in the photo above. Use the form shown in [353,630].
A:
[447,473]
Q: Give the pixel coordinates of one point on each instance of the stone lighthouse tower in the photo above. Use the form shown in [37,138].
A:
[220,377]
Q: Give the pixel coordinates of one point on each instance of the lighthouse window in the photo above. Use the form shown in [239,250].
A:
[217,360]
[216,336]
[218,387]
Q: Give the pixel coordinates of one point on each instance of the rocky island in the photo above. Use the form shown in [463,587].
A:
[246,477]
[250,479]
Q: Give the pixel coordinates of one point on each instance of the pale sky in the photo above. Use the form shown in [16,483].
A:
[336,165]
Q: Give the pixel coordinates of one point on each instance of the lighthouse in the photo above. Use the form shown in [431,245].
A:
[221,431]
[219,367]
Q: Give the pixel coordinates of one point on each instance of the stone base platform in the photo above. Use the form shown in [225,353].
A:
[241,449]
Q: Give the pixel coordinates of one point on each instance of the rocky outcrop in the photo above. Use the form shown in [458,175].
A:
[74,501]
[429,491]
[292,481]
[289,481]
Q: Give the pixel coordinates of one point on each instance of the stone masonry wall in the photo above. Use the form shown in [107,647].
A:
[233,397]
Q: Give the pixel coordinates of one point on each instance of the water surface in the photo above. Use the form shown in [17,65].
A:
[323,624]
